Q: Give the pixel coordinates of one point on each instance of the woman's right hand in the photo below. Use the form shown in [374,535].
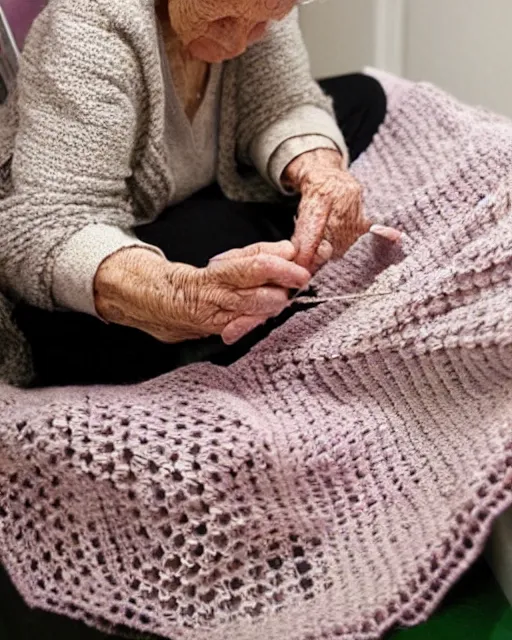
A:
[175,302]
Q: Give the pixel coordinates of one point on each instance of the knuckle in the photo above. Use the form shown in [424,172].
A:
[230,273]
[220,319]
[259,265]
[352,188]
[267,298]
[237,300]
[218,298]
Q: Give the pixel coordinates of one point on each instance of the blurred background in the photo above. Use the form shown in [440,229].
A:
[464,46]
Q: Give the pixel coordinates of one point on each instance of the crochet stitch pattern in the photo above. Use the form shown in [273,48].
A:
[334,482]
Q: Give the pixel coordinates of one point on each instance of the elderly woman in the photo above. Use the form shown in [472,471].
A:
[170,173]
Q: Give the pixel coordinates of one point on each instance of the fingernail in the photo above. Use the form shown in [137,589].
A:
[231,338]
[386,232]
[235,337]
[325,250]
[300,285]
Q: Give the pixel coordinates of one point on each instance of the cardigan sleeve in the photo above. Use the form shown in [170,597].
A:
[303,129]
[69,206]
[281,109]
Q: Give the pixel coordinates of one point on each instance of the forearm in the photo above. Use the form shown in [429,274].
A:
[80,258]
[302,130]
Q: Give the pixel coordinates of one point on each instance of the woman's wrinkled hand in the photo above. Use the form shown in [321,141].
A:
[175,302]
[330,218]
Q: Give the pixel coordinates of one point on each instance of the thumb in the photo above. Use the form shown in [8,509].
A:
[240,327]
[393,235]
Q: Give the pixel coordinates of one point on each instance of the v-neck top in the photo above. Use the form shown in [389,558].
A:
[191,146]
[68,72]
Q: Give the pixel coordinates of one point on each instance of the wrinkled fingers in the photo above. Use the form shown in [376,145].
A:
[240,327]
[283,249]
[310,228]
[258,271]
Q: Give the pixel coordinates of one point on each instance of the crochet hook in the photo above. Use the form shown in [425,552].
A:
[344,298]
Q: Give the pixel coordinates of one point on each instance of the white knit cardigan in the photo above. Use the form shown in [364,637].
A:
[82,150]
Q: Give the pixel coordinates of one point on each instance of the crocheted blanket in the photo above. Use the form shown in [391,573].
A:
[334,482]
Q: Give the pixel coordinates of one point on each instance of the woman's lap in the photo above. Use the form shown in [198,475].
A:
[71,348]
[74,348]
[360,105]
[207,224]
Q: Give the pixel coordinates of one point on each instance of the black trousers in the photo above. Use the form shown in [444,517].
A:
[73,348]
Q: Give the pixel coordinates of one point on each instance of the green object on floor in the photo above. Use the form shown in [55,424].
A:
[475,609]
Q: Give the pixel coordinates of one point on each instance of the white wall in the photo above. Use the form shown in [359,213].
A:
[339,35]
[464,46]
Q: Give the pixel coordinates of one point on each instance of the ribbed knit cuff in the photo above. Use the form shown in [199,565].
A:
[303,129]
[78,261]
[292,149]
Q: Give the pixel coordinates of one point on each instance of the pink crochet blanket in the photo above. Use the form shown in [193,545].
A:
[334,482]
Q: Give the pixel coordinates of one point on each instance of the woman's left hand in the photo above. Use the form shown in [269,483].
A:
[330,218]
